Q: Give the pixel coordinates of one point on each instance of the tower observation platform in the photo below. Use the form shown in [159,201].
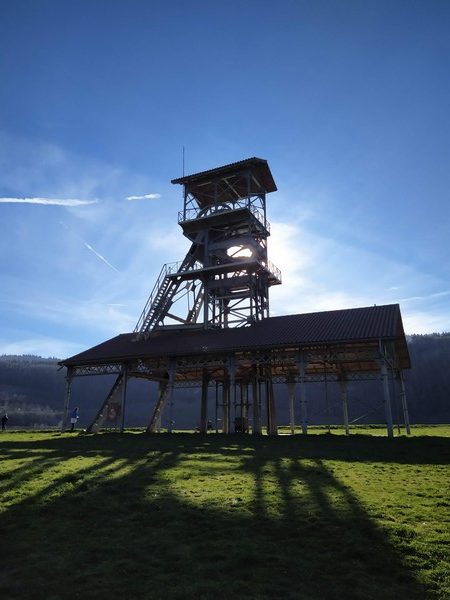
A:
[207,324]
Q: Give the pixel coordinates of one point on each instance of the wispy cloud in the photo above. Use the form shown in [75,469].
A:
[427,297]
[95,316]
[48,201]
[41,346]
[425,322]
[316,277]
[145,197]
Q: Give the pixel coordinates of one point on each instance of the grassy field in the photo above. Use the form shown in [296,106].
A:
[190,516]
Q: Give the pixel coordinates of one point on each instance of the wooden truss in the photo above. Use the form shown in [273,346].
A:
[243,381]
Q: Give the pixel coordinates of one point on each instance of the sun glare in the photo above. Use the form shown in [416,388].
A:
[239,252]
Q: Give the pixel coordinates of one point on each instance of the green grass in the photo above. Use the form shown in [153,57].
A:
[191,516]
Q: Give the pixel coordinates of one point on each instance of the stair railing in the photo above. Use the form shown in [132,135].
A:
[166,270]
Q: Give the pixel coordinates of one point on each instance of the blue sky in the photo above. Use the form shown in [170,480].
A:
[348,101]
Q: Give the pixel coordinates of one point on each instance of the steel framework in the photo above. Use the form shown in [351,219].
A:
[244,380]
[226,276]
[226,271]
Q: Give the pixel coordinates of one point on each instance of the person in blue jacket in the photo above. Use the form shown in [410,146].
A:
[74,416]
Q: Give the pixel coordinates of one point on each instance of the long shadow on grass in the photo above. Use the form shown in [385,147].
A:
[193,517]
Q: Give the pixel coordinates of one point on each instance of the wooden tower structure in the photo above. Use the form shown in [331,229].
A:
[226,271]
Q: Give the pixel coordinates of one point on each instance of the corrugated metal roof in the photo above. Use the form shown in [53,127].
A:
[301,330]
[260,163]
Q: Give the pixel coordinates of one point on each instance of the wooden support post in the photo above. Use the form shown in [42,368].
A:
[171,392]
[271,408]
[303,399]
[102,413]
[232,389]
[387,398]
[234,392]
[343,383]
[404,403]
[256,402]
[291,395]
[244,400]
[158,424]
[226,406]
[327,399]
[217,408]
[155,421]
[67,398]
[161,390]
[204,403]
[124,395]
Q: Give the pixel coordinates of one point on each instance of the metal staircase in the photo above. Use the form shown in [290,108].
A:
[196,307]
[158,302]
[163,293]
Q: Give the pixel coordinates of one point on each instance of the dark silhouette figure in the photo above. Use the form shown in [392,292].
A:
[74,416]
[4,421]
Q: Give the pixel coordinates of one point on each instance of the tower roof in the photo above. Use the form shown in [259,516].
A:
[202,185]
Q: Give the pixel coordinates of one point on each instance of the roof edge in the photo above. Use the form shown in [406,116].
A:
[253,159]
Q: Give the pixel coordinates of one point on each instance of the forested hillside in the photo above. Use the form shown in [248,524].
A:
[32,392]
[428,381]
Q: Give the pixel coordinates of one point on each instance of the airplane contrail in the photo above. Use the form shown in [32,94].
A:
[89,247]
[100,256]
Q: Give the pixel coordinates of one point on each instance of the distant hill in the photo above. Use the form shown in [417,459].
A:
[32,391]
[428,381]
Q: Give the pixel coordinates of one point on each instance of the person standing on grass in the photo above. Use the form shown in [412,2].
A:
[4,421]
[74,416]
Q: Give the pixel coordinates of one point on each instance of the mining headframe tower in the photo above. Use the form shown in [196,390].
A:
[207,324]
